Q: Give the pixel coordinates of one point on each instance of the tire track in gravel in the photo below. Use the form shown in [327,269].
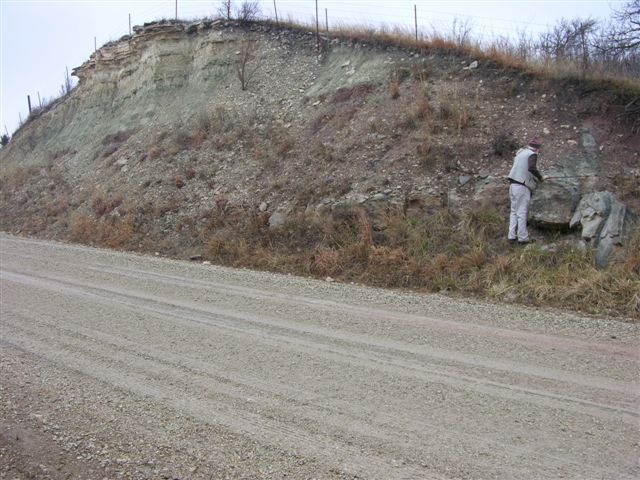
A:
[146,372]
[122,375]
[527,338]
[450,326]
[377,352]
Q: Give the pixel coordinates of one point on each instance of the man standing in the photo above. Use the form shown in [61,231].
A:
[523,177]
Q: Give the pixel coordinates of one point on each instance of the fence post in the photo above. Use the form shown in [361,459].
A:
[95,44]
[275,9]
[326,19]
[176,10]
[39,100]
[415,16]
[29,103]
[129,24]
[317,28]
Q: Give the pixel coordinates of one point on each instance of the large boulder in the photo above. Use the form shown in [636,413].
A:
[553,204]
[605,223]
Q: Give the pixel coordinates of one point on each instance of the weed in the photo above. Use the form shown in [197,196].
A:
[154,153]
[178,181]
[442,251]
[83,229]
[394,88]
[116,232]
[34,224]
[358,93]
[453,109]
[118,137]
[169,206]
[102,206]
[189,173]
[504,144]
[57,206]
[325,261]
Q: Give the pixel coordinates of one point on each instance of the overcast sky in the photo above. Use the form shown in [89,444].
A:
[40,39]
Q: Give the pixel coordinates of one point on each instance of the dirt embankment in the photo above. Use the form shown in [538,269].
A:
[160,150]
[159,129]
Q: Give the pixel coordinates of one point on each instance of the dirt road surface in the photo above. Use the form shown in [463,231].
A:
[123,366]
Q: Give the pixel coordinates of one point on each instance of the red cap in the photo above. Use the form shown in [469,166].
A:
[535,142]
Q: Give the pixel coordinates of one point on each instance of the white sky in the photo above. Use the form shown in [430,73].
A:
[39,39]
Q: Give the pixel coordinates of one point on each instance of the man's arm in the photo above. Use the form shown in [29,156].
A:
[533,160]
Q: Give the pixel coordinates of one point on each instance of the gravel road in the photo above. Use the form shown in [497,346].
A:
[116,365]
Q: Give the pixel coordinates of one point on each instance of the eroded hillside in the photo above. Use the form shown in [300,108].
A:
[159,148]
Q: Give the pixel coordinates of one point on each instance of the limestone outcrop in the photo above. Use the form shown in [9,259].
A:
[605,224]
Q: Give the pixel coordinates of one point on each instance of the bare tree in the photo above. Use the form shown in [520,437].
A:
[623,36]
[569,40]
[248,11]
[461,32]
[224,9]
[247,64]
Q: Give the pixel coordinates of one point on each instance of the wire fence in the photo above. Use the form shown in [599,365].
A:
[371,13]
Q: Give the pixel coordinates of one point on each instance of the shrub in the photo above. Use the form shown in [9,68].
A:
[178,181]
[504,144]
[83,229]
[116,232]
[118,137]
[154,153]
[102,206]
[325,261]
[57,206]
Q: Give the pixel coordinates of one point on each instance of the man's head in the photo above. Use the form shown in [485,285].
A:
[535,143]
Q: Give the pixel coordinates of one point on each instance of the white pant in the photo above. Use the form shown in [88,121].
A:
[520,198]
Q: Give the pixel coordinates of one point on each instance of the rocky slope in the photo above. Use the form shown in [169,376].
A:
[159,136]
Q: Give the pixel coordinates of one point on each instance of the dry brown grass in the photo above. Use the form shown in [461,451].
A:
[116,231]
[58,206]
[17,176]
[83,229]
[454,109]
[394,88]
[458,253]
[103,206]
[497,53]
[154,153]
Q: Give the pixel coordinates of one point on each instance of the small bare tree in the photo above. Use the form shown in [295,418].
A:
[623,36]
[224,9]
[247,64]
[569,40]
[461,32]
[248,11]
